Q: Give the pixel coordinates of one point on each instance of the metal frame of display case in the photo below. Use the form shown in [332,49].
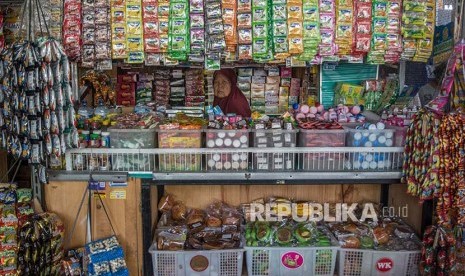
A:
[324,170]
[170,166]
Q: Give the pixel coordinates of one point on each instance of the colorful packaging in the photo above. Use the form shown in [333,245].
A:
[327,47]
[150,26]
[72,19]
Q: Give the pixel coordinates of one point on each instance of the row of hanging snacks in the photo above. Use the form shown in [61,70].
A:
[418,171]
[197,31]
[119,29]
[150,27]
[418,29]
[30,244]
[41,245]
[363,28]
[434,163]
[379,32]
[344,28]
[229,9]
[178,33]
[425,45]
[279,29]
[244,29]
[134,31]
[37,115]
[163,25]
[261,44]
[438,255]
[215,43]
[327,47]
[234,30]
[72,33]
[95,32]
[394,40]
[451,150]
[311,30]
[9,224]
[295,27]
[56,19]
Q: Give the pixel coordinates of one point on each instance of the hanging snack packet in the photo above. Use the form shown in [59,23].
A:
[245,36]
[280,28]
[244,6]
[244,20]
[279,12]
[295,45]
[245,52]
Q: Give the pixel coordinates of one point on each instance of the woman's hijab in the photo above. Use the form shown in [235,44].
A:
[235,102]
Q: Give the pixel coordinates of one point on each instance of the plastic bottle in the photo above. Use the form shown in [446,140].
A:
[84,111]
[101,110]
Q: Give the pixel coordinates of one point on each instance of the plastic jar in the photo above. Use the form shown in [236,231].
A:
[94,140]
[84,139]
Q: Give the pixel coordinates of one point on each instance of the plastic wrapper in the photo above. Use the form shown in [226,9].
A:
[196,220]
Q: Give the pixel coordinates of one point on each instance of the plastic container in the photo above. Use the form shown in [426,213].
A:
[370,138]
[227,139]
[197,263]
[322,138]
[373,262]
[181,139]
[292,261]
[400,135]
[274,138]
[132,138]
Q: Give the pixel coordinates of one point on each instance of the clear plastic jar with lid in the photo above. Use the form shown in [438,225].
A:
[84,139]
[94,140]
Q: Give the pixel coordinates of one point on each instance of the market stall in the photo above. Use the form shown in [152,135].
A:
[154,129]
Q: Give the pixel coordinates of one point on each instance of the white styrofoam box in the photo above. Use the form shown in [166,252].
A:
[197,262]
[291,261]
[360,262]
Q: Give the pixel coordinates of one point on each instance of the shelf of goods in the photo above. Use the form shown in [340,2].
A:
[362,164]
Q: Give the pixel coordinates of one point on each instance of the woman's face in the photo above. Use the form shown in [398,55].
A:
[221,86]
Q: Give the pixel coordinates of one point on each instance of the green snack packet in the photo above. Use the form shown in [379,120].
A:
[178,26]
[310,13]
[311,30]
[259,14]
[260,47]
[279,12]
[213,62]
[179,10]
[178,43]
[260,30]
[280,44]
[280,28]
[24,195]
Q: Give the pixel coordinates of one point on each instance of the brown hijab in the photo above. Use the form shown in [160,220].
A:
[235,102]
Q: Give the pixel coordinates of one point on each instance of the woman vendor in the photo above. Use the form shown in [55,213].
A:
[227,95]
